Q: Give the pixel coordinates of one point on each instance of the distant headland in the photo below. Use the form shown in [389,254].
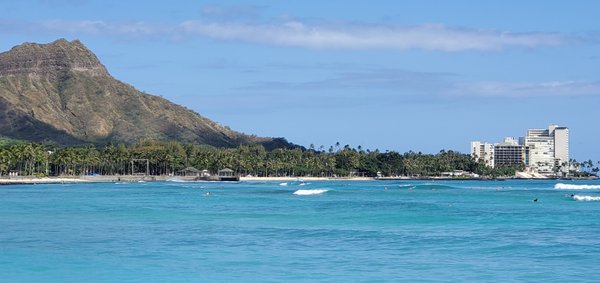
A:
[60,93]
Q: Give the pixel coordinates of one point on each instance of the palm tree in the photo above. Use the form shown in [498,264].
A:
[6,161]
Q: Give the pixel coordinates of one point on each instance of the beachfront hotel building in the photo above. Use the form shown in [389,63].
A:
[506,153]
[548,148]
[509,153]
[541,150]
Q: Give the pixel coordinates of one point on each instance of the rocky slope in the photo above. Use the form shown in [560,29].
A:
[61,93]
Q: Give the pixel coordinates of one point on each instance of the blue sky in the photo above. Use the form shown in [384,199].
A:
[391,75]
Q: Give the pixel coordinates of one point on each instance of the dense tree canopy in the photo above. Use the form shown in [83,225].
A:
[164,158]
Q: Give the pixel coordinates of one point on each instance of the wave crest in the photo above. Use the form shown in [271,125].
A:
[177,181]
[586,198]
[434,187]
[561,186]
[309,192]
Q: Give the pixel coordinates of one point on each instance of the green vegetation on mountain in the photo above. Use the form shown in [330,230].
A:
[59,93]
[4,141]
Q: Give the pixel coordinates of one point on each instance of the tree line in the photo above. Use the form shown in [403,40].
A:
[167,158]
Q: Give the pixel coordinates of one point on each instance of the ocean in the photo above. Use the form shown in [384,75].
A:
[325,231]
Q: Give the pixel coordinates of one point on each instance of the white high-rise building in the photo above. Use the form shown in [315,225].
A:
[548,148]
[541,150]
[561,146]
[484,152]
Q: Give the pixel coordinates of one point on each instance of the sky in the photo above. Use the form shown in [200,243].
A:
[388,75]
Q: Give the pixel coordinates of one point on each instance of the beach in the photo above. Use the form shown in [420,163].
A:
[129,178]
[163,178]
[43,180]
[291,179]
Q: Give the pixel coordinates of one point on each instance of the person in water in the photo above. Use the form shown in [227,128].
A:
[535,200]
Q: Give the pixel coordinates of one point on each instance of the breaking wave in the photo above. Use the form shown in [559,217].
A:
[408,186]
[434,187]
[177,181]
[309,192]
[586,198]
[561,186]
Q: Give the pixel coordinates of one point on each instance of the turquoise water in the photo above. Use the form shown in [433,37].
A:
[386,231]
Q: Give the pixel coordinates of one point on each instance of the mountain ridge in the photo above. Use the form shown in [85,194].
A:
[61,93]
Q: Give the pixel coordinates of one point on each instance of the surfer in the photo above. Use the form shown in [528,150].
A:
[535,200]
[207,194]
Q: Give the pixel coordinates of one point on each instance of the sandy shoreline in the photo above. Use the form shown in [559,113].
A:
[111,179]
[45,180]
[301,179]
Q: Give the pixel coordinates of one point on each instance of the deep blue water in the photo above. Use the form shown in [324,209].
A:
[386,231]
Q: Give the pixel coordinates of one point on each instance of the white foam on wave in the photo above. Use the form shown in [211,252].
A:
[283,184]
[407,186]
[309,192]
[177,181]
[586,198]
[561,186]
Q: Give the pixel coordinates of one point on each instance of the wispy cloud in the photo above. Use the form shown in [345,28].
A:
[365,36]
[306,35]
[378,79]
[130,29]
[431,84]
[528,89]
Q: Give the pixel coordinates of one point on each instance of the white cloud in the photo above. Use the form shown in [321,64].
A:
[306,35]
[364,36]
[132,29]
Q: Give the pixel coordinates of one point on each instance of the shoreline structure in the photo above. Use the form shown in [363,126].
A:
[28,180]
